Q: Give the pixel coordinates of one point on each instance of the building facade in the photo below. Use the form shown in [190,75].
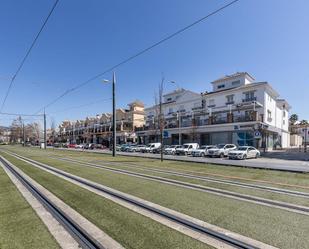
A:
[98,129]
[238,110]
[301,130]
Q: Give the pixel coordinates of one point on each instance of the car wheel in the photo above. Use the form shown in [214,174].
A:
[257,155]
[221,155]
[202,154]
[244,157]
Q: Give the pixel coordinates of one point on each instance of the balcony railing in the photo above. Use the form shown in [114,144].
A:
[212,120]
[249,99]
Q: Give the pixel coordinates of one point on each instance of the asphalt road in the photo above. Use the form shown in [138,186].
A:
[261,163]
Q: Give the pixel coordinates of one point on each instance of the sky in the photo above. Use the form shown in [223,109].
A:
[267,38]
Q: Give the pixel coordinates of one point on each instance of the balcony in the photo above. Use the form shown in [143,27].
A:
[249,99]
[205,121]
[230,103]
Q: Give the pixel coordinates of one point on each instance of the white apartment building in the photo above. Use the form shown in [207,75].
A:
[238,110]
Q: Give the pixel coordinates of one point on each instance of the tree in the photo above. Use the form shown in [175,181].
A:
[53,130]
[16,130]
[304,122]
[293,119]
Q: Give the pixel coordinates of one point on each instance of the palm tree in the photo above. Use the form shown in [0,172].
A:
[304,122]
[293,118]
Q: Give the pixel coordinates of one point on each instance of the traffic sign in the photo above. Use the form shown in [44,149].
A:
[257,134]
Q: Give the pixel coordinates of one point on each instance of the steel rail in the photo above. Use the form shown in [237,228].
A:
[81,236]
[191,176]
[207,231]
[258,200]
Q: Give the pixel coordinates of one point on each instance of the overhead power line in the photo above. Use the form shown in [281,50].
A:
[137,54]
[20,114]
[27,54]
[80,106]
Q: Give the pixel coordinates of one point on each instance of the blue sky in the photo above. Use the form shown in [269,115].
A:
[267,38]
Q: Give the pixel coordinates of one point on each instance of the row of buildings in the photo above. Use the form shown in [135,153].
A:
[238,110]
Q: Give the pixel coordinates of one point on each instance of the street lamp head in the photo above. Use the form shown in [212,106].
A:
[105,81]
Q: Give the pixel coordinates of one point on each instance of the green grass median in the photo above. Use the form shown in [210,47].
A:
[20,227]
[127,227]
[270,225]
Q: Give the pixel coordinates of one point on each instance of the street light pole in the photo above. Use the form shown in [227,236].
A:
[305,144]
[160,117]
[114,122]
[45,134]
[114,116]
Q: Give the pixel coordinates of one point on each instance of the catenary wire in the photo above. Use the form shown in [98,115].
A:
[27,54]
[137,54]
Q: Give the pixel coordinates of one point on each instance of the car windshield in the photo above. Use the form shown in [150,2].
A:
[186,146]
[172,146]
[242,148]
[203,147]
[220,146]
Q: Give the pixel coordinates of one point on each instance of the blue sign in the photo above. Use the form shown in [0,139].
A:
[165,134]
[257,134]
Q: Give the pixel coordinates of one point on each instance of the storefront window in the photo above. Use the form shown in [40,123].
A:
[244,138]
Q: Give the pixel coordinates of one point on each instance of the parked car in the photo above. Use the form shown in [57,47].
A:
[171,150]
[99,146]
[187,148]
[139,147]
[65,145]
[150,147]
[221,150]
[57,145]
[72,146]
[79,146]
[153,146]
[244,152]
[202,151]
[135,148]
[125,147]
[118,147]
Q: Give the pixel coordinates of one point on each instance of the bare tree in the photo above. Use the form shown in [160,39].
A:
[16,130]
[53,130]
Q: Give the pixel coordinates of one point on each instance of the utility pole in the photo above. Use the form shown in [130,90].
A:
[305,145]
[179,127]
[160,117]
[45,134]
[114,116]
[24,135]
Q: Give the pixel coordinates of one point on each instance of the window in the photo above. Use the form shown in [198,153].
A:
[230,99]
[170,110]
[196,104]
[182,108]
[211,102]
[284,114]
[169,99]
[221,86]
[249,95]
[269,115]
[236,83]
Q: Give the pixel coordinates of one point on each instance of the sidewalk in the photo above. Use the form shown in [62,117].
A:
[288,154]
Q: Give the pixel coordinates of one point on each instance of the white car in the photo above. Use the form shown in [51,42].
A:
[79,146]
[244,152]
[186,149]
[171,150]
[150,147]
[202,151]
[221,150]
